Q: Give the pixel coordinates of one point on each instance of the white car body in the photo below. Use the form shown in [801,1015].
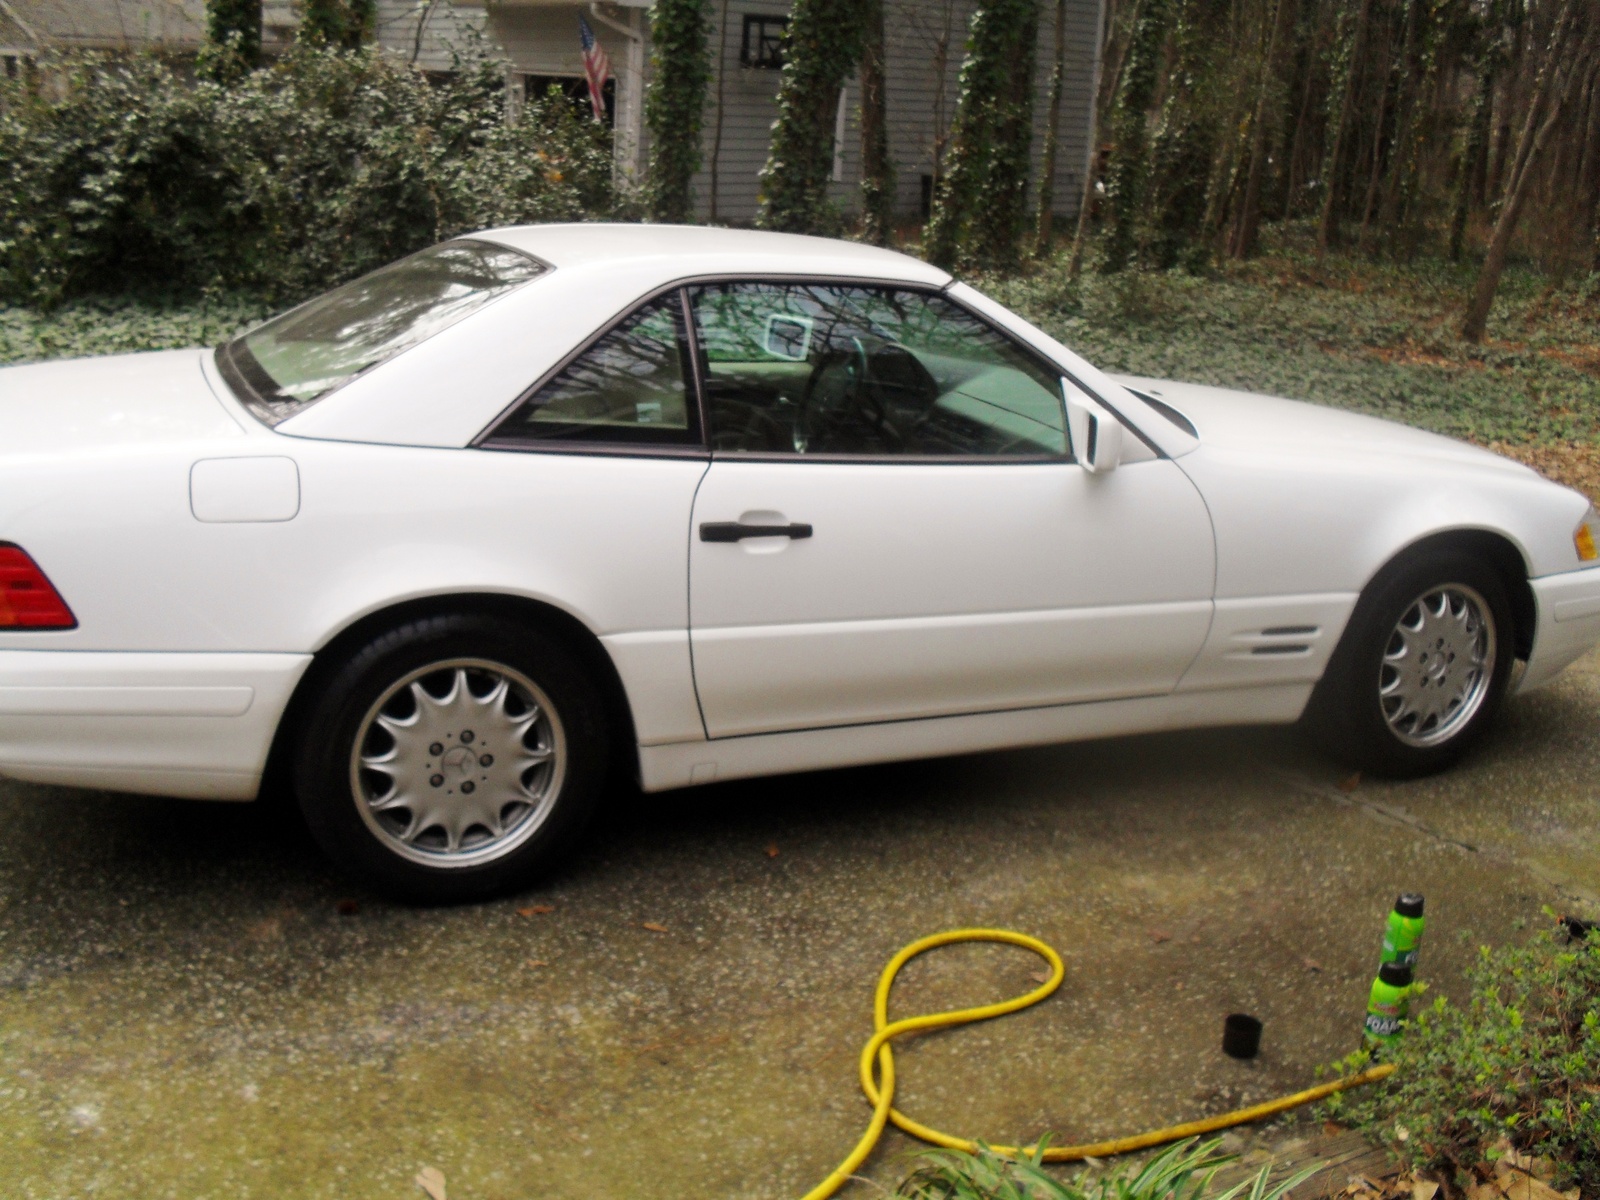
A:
[940,608]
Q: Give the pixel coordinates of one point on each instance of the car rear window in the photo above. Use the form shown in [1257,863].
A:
[292,360]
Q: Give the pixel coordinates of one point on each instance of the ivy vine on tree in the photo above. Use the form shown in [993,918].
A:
[233,39]
[820,50]
[1129,171]
[981,207]
[341,24]
[674,106]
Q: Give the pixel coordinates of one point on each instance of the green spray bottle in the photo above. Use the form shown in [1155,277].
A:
[1402,936]
[1388,1005]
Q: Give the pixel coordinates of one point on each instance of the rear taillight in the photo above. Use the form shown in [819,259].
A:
[27,599]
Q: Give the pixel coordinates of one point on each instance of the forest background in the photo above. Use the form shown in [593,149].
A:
[1390,205]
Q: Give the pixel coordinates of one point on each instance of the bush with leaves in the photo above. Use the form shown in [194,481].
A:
[1520,1061]
[122,178]
[1183,1171]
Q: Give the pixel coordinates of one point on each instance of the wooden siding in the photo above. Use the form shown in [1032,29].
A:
[926,45]
[444,27]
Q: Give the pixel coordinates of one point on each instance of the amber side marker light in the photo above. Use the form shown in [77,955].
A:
[1583,539]
[27,599]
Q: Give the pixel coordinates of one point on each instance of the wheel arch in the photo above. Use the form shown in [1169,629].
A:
[1494,548]
[572,632]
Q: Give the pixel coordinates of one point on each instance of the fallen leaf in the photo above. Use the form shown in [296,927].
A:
[772,850]
[1484,1191]
[1423,1189]
[1311,964]
[1039,976]
[348,908]
[536,910]
[1518,1185]
[1350,783]
[431,1180]
[1160,935]
[653,927]
[536,962]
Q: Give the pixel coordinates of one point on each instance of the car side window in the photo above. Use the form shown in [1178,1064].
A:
[630,387]
[844,369]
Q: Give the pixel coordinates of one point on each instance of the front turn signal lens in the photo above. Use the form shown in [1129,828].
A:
[1583,539]
[27,599]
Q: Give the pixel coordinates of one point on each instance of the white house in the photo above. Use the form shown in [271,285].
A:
[539,40]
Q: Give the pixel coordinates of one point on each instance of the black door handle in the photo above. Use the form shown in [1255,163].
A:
[733,531]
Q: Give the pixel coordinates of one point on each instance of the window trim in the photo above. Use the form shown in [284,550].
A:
[750,57]
[697,448]
[487,439]
[925,459]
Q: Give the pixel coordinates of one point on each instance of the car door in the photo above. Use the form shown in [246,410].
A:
[893,526]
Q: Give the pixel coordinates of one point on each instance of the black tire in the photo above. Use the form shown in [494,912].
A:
[332,789]
[1347,713]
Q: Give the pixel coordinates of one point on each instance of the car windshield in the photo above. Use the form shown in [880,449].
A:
[283,365]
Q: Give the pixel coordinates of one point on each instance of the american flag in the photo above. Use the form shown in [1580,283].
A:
[596,67]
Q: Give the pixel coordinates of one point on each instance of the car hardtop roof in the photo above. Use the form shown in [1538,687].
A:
[686,250]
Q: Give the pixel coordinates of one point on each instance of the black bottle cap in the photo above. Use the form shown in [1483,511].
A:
[1408,904]
[1395,974]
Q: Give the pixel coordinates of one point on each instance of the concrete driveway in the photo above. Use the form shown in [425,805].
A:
[186,1012]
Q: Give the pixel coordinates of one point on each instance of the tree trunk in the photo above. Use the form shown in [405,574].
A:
[981,206]
[1105,88]
[1046,199]
[1292,175]
[1413,75]
[1247,235]
[721,68]
[233,39]
[1328,224]
[1375,175]
[1551,92]
[1475,156]
[877,168]
[1129,169]
[674,107]
[821,48]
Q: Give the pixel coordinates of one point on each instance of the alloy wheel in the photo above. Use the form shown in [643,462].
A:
[458,763]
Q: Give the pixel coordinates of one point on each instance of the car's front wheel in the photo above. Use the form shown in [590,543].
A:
[1421,668]
[452,758]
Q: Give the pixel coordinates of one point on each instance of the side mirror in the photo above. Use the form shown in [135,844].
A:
[1096,434]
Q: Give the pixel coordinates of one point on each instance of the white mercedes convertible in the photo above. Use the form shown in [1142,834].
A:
[451,542]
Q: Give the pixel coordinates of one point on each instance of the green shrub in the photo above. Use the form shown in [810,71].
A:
[1183,1171]
[117,176]
[1520,1061]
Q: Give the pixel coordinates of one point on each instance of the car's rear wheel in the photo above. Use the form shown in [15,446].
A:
[452,758]
[1422,666]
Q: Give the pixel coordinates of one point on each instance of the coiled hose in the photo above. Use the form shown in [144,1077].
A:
[879,1084]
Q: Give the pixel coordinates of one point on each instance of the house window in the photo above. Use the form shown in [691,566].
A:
[763,41]
[11,64]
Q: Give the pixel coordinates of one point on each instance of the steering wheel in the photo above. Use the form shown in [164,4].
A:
[838,396]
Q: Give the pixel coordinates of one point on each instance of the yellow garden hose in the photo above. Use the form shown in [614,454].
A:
[880,1090]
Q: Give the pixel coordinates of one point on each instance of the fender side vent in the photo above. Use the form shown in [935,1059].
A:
[1289,631]
[1286,648]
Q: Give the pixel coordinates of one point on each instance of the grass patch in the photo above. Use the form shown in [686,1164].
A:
[1181,1172]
